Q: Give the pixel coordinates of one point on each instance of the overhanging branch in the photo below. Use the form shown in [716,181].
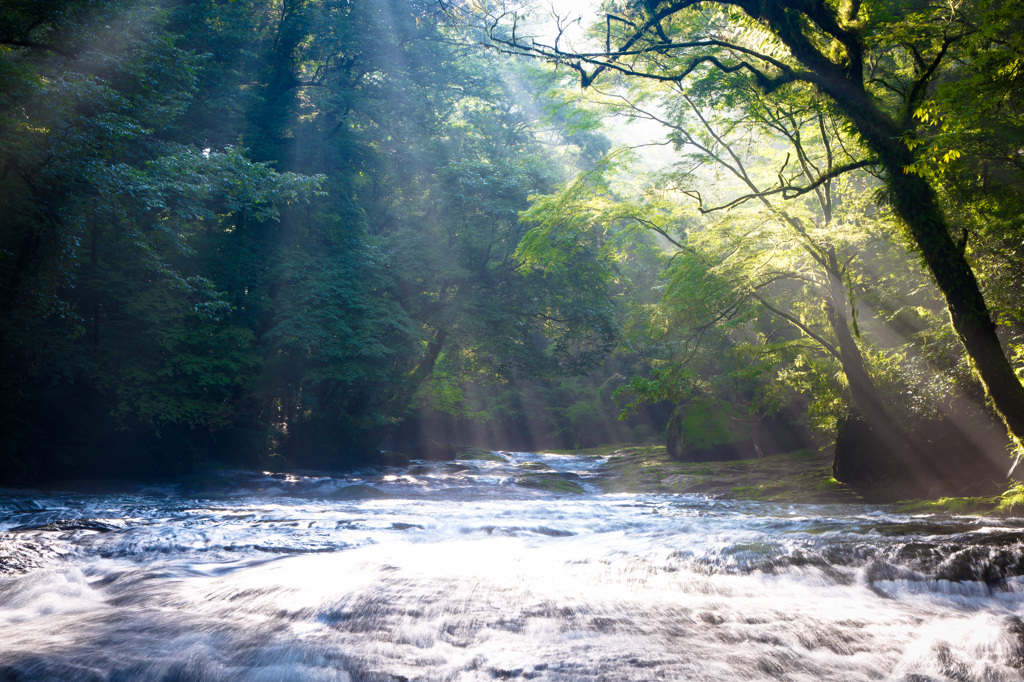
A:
[801,326]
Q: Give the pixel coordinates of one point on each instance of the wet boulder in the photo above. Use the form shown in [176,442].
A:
[479,454]
[550,482]
[359,492]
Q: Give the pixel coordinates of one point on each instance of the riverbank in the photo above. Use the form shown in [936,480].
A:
[802,476]
[799,477]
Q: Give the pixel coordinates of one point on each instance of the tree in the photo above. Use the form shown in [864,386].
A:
[110,332]
[874,66]
[408,255]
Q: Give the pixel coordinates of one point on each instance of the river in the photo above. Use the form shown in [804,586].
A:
[445,571]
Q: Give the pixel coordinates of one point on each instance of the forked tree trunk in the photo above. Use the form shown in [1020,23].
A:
[915,201]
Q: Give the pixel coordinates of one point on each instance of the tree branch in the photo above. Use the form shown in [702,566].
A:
[39,46]
[793,192]
[801,326]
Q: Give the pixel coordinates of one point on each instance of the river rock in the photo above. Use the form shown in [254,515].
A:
[480,455]
[535,466]
[552,482]
[359,492]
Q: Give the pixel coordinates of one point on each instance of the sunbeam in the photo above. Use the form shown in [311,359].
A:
[511,339]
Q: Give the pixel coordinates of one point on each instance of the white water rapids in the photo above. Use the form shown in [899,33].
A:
[454,572]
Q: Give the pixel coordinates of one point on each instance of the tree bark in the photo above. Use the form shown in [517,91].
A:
[915,201]
[755,436]
[862,387]
[897,449]
[429,359]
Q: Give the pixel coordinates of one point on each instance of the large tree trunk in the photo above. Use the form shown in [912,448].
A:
[884,454]
[862,387]
[913,198]
[916,203]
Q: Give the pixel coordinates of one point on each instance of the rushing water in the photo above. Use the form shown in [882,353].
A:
[455,572]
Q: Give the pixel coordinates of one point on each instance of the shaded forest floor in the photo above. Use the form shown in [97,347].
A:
[802,476]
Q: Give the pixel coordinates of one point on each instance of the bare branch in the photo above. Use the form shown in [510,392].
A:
[793,192]
[787,191]
[918,88]
[832,350]
[651,225]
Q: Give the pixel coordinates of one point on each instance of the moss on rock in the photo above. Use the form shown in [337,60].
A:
[534,466]
[952,505]
[798,476]
[477,454]
[550,482]
[359,492]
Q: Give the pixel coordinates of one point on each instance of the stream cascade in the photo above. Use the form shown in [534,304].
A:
[508,570]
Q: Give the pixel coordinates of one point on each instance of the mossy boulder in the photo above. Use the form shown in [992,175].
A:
[702,431]
[535,466]
[478,454]
[697,432]
[551,482]
[359,492]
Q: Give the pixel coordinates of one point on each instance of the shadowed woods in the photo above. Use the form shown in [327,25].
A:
[325,234]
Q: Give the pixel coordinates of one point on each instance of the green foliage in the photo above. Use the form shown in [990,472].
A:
[233,229]
[253,228]
[1011,503]
[955,505]
[704,425]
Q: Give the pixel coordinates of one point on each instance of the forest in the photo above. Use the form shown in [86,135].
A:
[323,234]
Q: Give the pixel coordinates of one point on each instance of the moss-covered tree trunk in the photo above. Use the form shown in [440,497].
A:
[426,364]
[862,387]
[916,203]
